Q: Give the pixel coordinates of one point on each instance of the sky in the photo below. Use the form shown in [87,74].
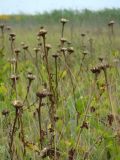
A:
[34,6]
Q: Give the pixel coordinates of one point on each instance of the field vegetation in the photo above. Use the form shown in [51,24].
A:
[60,85]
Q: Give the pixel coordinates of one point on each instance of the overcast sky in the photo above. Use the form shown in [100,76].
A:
[33,6]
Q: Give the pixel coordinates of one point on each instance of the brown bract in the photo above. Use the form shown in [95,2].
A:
[70,50]
[103,66]
[2,26]
[85,53]
[44,93]
[48,46]
[63,49]
[63,20]
[25,47]
[95,70]
[5,112]
[83,34]
[17,104]
[30,76]
[111,23]
[63,40]
[17,51]
[12,35]
[36,49]
[42,32]
[14,77]
[55,55]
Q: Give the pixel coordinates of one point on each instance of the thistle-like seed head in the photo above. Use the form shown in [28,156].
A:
[95,70]
[111,23]
[30,76]
[14,77]
[48,46]
[63,40]
[85,53]
[2,26]
[55,55]
[42,32]
[83,34]
[12,35]
[25,47]
[63,20]
[70,50]
[63,49]
[104,66]
[44,93]
[17,104]
[17,51]
[5,112]
[36,49]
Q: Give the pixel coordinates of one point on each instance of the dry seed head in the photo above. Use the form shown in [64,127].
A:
[63,20]
[70,50]
[2,26]
[85,53]
[12,35]
[25,47]
[36,49]
[95,70]
[63,49]
[14,77]
[17,104]
[83,34]
[63,40]
[48,46]
[5,112]
[111,23]
[17,51]
[55,55]
[30,76]
[103,66]
[8,28]
[42,32]
[101,59]
[44,93]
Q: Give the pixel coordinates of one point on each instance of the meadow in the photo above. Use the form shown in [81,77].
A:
[60,85]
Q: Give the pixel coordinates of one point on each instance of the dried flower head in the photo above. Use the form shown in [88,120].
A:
[70,50]
[83,34]
[30,76]
[12,35]
[25,47]
[14,77]
[44,93]
[55,55]
[5,112]
[111,23]
[17,51]
[104,66]
[48,47]
[63,40]
[2,26]
[85,53]
[42,32]
[63,49]
[63,20]
[36,49]
[95,70]
[17,104]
